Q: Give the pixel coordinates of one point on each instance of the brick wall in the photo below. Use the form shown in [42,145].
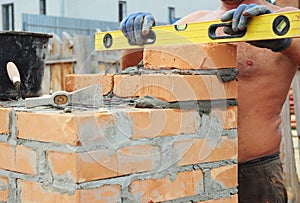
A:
[180,145]
[283,3]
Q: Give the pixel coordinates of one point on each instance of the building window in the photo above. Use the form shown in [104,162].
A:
[171,14]
[122,10]
[43,7]
[8,16]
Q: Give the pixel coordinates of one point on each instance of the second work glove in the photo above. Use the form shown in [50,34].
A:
[240,18]
[136,27]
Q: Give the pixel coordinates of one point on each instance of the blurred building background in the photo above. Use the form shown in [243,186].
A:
[87,16]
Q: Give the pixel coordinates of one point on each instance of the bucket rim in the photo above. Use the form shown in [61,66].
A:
[26,33]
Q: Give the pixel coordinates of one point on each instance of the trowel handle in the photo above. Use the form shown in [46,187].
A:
[14,76]
[13,72]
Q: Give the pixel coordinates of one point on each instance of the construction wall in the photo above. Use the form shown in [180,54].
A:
[283,3]
[179,145]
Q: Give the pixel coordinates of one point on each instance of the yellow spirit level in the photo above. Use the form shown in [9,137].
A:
[264,27]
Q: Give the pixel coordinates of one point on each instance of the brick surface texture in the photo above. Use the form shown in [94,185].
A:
[283,3]
[181,149]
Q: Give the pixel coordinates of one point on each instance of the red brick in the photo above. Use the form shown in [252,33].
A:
[104,194]
[201,150]
[284,3]
[3,189]
[158,190]
[162,122]
[84,128]
[150,123]
[36,193]
[233,199]
[137,159]
[228,117]
[51,127]
[78,81]
[101,164]
[82,167]
[193,56]
[174,87]
[227,175]
[4,120]
[20,159]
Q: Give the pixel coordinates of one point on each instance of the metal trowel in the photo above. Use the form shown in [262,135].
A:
[90,96]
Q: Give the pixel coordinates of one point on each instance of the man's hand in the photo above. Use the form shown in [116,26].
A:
[136,27]
[240,18]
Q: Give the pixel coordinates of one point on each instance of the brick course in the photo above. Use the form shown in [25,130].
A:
[191,56]
[174,87]
[123,154]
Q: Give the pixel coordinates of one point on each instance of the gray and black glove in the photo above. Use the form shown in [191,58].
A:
[136,27]
[240,18]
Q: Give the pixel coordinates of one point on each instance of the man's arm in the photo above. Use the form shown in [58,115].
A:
[293,52]
[135,27]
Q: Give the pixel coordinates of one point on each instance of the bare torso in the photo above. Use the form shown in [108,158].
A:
[264,80]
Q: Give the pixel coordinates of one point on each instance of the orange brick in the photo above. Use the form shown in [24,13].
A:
[150,123]
[35,193]
[205,150]
[174,87]
[158,190]
[192,56]
[284,3]
[4,120]
[83,128]
[104,194]
[101,164]
[233,199]
[227,175]
[52,127]
[83,167]
[20,159]
[3,189]
[139,158]
[78,81]
[162,122]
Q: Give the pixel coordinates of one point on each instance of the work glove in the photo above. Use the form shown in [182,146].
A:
[136,27]
[240,18]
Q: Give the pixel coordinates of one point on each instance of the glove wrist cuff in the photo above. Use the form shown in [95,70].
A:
[286,44]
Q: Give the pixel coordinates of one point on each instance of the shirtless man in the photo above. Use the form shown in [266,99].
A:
[265,75]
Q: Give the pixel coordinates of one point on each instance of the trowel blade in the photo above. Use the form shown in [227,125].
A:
[90,96]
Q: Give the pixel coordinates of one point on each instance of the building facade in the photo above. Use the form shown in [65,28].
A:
[14,13]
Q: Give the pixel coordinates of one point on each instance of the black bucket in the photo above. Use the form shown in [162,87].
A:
[28,51]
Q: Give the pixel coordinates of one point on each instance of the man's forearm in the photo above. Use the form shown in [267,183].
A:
[293,52]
